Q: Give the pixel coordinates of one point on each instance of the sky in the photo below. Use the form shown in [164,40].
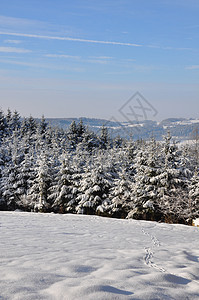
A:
[87,58]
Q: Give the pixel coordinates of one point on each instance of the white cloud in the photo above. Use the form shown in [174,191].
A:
[91,59]
[172,48]
[6,21]
[43,66]
[47,37]
[14,50]
[12,42]
[62,56]
[64,38]
[101,57]
[96,61]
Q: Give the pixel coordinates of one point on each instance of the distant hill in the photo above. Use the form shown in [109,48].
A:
[180,128]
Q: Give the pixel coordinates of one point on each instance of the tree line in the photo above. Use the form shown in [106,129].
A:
[48,169]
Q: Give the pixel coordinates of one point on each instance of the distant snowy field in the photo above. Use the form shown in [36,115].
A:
[72,257]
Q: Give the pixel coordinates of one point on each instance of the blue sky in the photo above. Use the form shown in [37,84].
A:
[87,57]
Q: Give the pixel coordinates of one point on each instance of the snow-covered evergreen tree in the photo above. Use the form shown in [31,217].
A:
[43,126]
[194,196]
[15,121]
[9,183]
[172,191]
[2,125]
[8,122]
[145,189]
[119,195]
[25,178]
[40,188]
[93,189]
[73,135]
[104,137]
[63,191]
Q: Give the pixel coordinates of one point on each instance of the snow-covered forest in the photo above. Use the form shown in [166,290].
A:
[76,171]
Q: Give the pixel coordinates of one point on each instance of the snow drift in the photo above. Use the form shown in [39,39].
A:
[71,257]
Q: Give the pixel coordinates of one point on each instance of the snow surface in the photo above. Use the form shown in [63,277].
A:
[48,256]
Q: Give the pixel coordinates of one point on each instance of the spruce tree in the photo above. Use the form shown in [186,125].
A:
[194,196]
[172,191]
[63,191]
[145,189]
[40,188]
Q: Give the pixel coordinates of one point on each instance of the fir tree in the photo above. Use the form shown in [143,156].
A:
[93,190]
[9,184]
[194,196]
[32,125]
[2,125]
[63,191]
[73,135]
[172,192]
[15,121]
[145,189]
[40,188]
[104,138]
[119,195]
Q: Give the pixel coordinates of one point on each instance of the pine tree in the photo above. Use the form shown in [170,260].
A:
[89,141]
[41,185]
[8,120]
[145,189]
[9,184]
[195,147]
[172,192]
[24,127]
[119,195]
[194,196]
[63,190]
[43,125]
[2,125]
[104,138]
[80,131]
[73,135]
[93,189]
[24,180]
[32,125]
[15,121]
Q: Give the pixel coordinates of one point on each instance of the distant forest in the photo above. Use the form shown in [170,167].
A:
[49,169]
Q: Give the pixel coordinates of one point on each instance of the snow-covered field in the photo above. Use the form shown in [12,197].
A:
[48,256]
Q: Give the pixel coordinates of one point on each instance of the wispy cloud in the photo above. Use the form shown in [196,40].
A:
[14,50]
[39,65]
[6,21]
[103,60]
[102,57]
[97,61]
[170,48]
[193,67]
[90,59]
[179,48]
[47,37]
[62,56]
[12,42]
[65,38]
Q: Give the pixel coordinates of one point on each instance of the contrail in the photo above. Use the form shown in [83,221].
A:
[46,37]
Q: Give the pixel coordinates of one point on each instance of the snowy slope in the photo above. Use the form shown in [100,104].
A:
[48,256]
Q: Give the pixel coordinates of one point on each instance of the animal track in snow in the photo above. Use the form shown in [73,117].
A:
[149,254]
[150,251]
